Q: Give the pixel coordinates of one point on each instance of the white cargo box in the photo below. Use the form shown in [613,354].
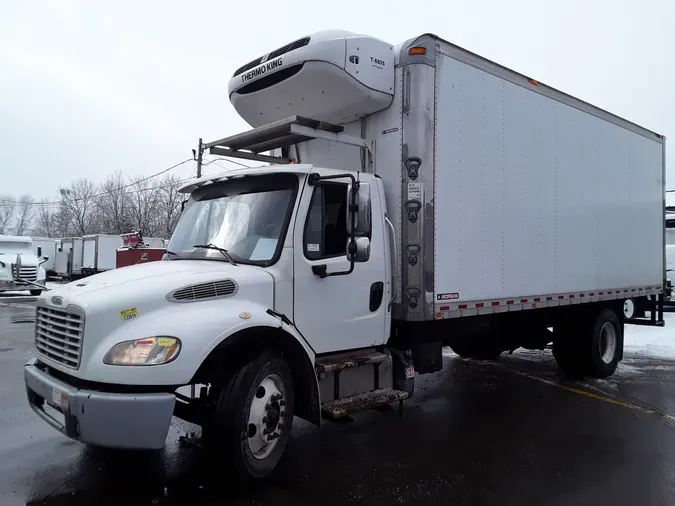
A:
[99,252]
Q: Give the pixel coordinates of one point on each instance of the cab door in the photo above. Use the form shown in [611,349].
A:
[338,312]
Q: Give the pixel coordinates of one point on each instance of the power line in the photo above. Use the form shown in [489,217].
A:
[58,202]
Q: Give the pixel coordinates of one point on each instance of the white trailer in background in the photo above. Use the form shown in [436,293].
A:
[436,198]
[69,257]
[99,253]
[46,246]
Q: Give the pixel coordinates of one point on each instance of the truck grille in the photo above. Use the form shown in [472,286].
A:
[27,272]
[274,54]
[58,335]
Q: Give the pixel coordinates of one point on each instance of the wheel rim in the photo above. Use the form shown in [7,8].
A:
[608,342]
[628,308]
[266,419]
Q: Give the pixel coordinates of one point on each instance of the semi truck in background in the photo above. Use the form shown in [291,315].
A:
[20,267]
[45,247]
[415,196]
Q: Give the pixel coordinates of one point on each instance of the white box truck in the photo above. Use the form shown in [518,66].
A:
[68,263]
[435,198]
[99,253]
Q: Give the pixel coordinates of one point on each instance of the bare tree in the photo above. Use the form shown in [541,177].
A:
[24,220]
[115,205]
[78,204]
[46,219]
[7,206]
[169,204]
[144,205]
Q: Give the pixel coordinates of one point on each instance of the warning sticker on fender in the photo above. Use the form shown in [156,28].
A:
[129,314]
[447,296]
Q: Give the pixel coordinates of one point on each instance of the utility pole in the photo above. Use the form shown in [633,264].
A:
[200,150]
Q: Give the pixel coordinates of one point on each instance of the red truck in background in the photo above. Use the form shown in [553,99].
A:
[135,251]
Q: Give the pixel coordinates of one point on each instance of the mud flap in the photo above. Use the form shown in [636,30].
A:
[404,371]
[427,357]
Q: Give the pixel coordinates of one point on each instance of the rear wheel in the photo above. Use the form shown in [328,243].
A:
[592,348]
[252,418]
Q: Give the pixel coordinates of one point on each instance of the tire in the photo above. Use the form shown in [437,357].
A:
[236,429]
[477,347]
[591,349]
[35,293]
[605,344]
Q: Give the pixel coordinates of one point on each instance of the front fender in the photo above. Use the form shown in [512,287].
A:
[200,326]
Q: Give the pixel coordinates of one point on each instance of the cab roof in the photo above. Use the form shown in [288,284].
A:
[16,238]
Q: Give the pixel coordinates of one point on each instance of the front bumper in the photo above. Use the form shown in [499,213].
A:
[8,286]
[113,420]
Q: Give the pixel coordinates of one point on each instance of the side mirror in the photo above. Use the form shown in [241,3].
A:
[44,259]
[362,212]
[358,249]
[182,205]
[16,268]
[39,251]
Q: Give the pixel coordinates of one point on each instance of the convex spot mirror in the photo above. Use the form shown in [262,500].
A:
[362,213]
[358,249]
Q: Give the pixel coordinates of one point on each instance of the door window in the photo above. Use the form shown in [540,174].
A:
[326,227]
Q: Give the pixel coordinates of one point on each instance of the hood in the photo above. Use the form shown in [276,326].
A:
[150,283]
[27,260]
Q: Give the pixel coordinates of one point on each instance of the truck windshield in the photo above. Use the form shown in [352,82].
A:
[7,248]
[247,217]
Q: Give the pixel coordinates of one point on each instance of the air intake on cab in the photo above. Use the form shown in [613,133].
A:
[201,291]
[333,76]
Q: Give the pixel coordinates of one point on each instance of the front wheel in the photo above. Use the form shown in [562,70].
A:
[35,293]
[253,415]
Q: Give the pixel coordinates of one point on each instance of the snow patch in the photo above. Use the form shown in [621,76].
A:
[652,342]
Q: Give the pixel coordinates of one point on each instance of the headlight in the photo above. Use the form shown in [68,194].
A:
[148,351]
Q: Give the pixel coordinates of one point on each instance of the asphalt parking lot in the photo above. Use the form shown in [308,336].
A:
[513,432]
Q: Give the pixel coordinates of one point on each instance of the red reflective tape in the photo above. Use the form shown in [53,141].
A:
[582,295]
[571,296]
[523,301]
[561,297]
[463,306]
[537,299]
[509,302]
[625,291]
[495,303]
[549,298]
[480,304]
[601,293]
[445,308]
[633,289]
[592,294]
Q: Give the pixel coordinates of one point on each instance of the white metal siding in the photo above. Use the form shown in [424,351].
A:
[537,197]
[89,252]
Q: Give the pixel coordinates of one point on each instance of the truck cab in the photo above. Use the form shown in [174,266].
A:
[30,263]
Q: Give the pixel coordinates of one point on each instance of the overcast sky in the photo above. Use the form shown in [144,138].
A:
[87,87]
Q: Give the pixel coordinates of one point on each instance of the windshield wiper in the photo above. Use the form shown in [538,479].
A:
[171,253]
[222,250]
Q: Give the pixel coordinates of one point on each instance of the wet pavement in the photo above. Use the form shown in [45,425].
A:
[510,433]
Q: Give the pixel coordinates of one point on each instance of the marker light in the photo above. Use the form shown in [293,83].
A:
[417,50]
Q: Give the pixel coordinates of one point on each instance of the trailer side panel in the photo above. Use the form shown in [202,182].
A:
[535,196]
